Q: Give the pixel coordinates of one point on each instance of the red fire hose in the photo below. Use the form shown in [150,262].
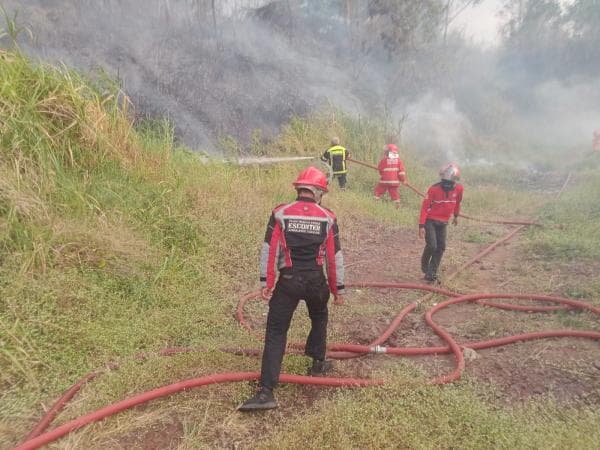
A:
[58,406]
[171,389]
[338,351]
[335,351]
[36,440]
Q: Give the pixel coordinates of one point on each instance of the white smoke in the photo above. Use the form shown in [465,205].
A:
[563,114]
[434,126]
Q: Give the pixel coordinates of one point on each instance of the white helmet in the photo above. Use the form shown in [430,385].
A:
[450,172]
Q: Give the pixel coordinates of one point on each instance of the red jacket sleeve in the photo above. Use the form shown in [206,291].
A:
[425,206]
[269,253]
[459,196]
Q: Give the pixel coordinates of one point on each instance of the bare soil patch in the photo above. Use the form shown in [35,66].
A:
[564,369]
[160,435]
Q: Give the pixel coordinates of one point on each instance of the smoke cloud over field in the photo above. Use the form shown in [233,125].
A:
[211,81]
[566,113]
[251,65]
[434,123]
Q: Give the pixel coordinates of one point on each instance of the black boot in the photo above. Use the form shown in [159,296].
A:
[430,277]
[263,399]
[320,367]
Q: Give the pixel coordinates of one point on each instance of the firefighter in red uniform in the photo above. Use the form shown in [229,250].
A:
[300,237]
[391,173]
[442,201]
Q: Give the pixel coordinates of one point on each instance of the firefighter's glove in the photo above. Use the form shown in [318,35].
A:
[338,300]
[266,294]
[421,232]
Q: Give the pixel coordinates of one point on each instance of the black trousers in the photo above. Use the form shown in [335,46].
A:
[341,179]
[311,286]
[435,245]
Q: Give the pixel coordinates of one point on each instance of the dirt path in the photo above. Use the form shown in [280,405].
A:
[567,370]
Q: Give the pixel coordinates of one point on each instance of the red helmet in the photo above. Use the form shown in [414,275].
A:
[311,176]
[450,172]
[392,148]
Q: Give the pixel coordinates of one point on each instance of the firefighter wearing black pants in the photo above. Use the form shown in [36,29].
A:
[435,245]
[301,236]
[441,202]
[311,286]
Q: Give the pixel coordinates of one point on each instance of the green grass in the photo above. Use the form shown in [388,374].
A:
[404,414]
[115,242]
[572,223]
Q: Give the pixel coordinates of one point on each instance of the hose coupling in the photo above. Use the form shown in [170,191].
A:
[377,349]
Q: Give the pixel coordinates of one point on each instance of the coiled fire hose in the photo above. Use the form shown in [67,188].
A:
[36,439]
[339,351]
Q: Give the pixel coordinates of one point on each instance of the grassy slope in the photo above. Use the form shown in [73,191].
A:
[113,243]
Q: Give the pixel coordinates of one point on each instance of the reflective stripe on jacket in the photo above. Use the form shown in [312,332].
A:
[302,235]
[391,170]
[440,205]
[336,158]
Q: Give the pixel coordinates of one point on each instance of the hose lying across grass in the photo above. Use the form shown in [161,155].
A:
[170,389]
[345,351]
[38,437]
[337,351]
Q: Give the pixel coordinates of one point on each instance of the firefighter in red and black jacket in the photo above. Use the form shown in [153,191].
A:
[391,174]
[442,201]
[301,237]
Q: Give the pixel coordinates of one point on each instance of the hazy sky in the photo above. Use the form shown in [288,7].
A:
[481,22]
